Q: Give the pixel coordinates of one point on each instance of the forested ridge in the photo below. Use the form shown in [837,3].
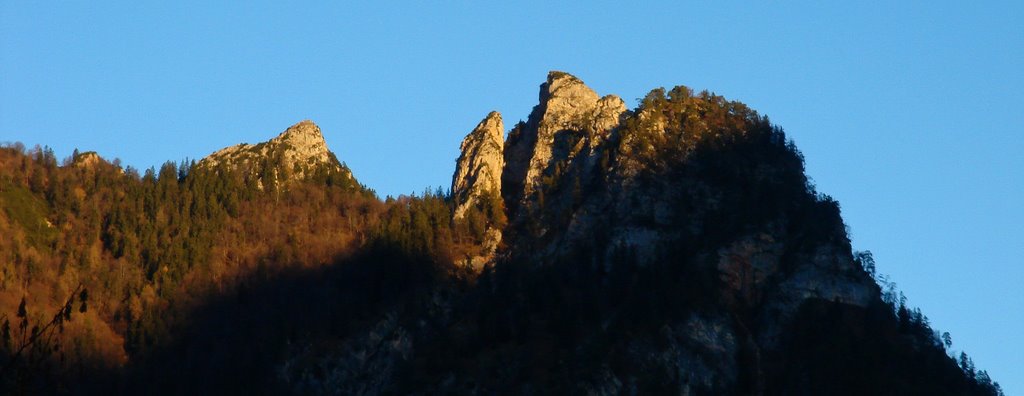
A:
[243,279]
[152,248]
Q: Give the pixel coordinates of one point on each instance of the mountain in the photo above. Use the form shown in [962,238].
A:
[673,248]
[702,193]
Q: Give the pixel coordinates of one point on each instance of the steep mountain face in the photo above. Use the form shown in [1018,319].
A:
[569,121]
[476,187]
[298,153]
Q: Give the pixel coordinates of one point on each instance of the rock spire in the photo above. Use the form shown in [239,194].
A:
[568,108]
[478,169]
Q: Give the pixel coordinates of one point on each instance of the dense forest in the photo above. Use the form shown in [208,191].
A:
[220,279]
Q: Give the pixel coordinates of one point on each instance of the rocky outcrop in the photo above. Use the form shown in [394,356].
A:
[295,154]
[571,118]
[87,160]
[476,184]
[478,169]
[90,161]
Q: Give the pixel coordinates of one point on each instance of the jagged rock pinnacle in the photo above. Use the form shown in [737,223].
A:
[478,169]
[567,105]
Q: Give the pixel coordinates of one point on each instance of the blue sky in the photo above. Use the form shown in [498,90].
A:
[909,114]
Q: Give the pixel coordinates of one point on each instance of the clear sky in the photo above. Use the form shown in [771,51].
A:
[910,115]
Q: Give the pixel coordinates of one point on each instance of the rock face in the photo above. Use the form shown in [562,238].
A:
[295,154]
[476,184]
[570,175]
[478,169]
[571,119]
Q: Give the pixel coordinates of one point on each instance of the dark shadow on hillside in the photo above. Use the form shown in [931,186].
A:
[234,343]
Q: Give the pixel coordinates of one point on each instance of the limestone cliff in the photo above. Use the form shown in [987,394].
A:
[478,169]
[570,119]
[476,185]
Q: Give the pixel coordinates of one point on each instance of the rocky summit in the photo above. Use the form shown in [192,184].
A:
[570,118]
[296,154]
[87,160]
